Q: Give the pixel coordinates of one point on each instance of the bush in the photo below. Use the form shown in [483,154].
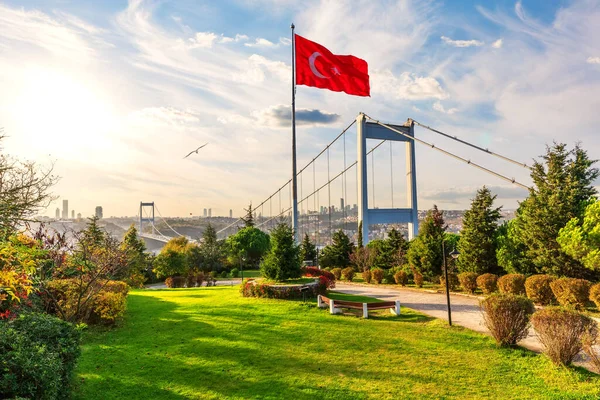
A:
[235,273]
[512,284]
[337,273]
[571,292]
[418,277]
[401,278]
[377,274]
[538,289]
[115,287]
[452,281]
[199,278]
[39,354]
[507,317]
[595,294]
[175,281]
[366,275]
[253,289]
[468,281]
[316,272]
[487,283]
[348,274]
[561,331]
[191,280]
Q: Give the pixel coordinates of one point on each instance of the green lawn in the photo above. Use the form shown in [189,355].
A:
[210,343]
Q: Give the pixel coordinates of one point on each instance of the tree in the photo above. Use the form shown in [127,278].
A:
[383,254]
[92,235]
[477,246]
[173,258]
[425,251]
[24,189]
[510,252]
[563,186]
[249,218]
[211,250]
[249,244]
[580,238]
[397,241]
[337,254]
[135,253]
[283,259]
[360,235]
[362,258]
[308,251]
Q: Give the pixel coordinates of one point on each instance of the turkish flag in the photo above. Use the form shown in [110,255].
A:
[318,67]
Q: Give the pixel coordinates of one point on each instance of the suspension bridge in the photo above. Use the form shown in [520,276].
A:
[334,172]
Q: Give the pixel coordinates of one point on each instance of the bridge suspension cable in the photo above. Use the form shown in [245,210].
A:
[520,164]
[511,180]
[166,223]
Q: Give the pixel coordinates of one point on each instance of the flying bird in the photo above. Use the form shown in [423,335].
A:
[194,151]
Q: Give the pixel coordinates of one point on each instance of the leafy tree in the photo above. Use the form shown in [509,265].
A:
[173,258]
[211,250]
[249,244]
[510,252]
[563,186]
[249,218]
[24,189]
[308,251]
[283,259]
[337,254]
[362,258]
[382,253]
[136,257]
[580,238]
[425,251]
[477,246]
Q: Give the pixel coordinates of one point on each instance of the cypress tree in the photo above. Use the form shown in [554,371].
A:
[477,245]
[283,259]
[337,254]
[425,251]
[308,251]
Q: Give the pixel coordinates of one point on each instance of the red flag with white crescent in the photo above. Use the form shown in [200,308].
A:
[318,67]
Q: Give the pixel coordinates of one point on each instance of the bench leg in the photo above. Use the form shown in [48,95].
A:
[396,309]
[332,309]
[319,301]
[365,311]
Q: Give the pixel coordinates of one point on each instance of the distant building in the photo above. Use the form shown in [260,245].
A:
[65,210]
[72,214]
[209,212]
[57,213]
[78,215]
[230,213]
[99,212]
[342,208]
[205,213]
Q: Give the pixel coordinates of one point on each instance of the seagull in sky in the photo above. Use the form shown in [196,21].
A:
[194,151]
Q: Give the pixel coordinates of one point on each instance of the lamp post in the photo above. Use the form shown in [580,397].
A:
[454,254]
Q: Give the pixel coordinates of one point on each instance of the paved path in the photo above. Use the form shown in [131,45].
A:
[465,310]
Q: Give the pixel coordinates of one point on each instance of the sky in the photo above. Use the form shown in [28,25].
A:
[115,93]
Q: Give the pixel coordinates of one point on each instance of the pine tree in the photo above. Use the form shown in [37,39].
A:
[308,251]
[283,259]
[92,235]
[425,251]
[249,218]
[360,235]
[397,241]
[135,249]
[563,186]
[477,244]
[337,254]
[211,252]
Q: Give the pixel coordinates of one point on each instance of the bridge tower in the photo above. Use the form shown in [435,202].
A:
[409,214]
[148,219]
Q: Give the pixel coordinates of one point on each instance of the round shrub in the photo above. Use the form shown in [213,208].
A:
[191,280]
[571,292]
[512,283]
[507,317]
[595,294]
[561,331]
[452,281]
[377,274]
[366,275]
[538,289]
[337,272]
[348,274]
[418,277]
[235,273]
[316,272]
[468,281]
[401,278]
[487,283]
[199,278]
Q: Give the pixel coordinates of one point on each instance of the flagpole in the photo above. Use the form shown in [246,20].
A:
[294,180]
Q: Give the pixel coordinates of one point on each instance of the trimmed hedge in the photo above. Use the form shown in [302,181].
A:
[538,289]
[337,272]
[562,331]
[348,274]
[487,283]
[316,272]
[571,292]
[468,281]
[377,275]
[367,276]
[401,278]
[452,281]
[512,284]
[418,278]
[507,317]
[39,354]
[175,281]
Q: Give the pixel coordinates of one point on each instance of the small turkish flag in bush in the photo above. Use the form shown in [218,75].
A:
[318,67]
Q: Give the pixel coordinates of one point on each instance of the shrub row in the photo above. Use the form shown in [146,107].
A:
[253,289]
[191,280]
[39,354]
[316,272]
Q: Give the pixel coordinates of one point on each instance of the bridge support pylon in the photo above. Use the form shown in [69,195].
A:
[150,218]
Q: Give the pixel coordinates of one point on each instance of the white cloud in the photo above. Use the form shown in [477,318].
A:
[256,68]
[497,44]
[437,106]
[161,116]
[593,60]
[202,39]
[462,43]
[237,38]
[407,86]
[260,42]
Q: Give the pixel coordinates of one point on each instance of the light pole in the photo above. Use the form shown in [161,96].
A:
[454,254]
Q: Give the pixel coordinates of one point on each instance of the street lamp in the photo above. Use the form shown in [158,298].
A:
[454,254]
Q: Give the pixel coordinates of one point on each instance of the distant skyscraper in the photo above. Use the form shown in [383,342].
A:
[210,212]
[230,213]
[205,213]
[57,213]
[72,214]
[65,210]
[78,215]
[99,212]
[342,204]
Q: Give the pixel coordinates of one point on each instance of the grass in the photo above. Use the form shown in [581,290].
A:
[210,343]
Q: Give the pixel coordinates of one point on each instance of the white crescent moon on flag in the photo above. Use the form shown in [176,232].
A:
[311,63]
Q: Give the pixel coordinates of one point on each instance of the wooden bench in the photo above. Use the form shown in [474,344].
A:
[336,305]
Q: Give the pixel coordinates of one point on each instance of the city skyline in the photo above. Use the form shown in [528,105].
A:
[122,90]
